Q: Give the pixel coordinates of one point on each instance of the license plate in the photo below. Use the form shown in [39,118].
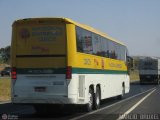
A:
[40,89]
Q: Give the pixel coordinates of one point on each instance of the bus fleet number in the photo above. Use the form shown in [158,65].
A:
[87,61]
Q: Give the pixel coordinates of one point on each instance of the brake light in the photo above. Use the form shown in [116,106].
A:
[14,73]
[68,72]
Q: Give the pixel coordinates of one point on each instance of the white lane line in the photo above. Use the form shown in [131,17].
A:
[87,114]
[136,105]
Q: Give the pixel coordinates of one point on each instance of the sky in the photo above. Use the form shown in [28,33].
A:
[136,23]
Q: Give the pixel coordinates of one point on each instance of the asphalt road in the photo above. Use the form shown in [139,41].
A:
[141,103]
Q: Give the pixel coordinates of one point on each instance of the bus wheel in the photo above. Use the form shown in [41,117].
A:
[123,91]
[97,98]
[158,82]
[89,106]
[122,95]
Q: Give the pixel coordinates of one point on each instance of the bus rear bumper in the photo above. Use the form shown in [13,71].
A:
[53,100]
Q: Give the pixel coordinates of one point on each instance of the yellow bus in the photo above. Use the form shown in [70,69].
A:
[61,62]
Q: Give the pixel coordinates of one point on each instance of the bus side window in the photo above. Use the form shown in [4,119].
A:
[105,49]
[96,41]
[84,41]
[79,39]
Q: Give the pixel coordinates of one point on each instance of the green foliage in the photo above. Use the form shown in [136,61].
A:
[5,54]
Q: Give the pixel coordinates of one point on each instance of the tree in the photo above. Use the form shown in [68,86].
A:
[5,53]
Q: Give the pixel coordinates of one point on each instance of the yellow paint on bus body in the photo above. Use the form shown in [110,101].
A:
[96,62]
[81,60]
[55,36]
[49,62]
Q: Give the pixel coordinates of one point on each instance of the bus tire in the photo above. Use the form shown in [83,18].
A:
[120,97]
[123,91]
[97,98]
[158,82]
[89,106]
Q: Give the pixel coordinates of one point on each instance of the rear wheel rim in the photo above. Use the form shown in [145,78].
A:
[123,91]
[90,100]
[97,99]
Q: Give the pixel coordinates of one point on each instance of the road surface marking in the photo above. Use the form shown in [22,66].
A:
[90,113]
[136,105]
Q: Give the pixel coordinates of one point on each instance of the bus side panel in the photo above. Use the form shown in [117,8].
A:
[71,45]
[110,85]
[71,60]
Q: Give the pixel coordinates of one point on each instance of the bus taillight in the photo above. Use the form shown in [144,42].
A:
[14,73]
[68,72]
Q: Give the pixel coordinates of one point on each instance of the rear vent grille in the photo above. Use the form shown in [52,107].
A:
[81,86]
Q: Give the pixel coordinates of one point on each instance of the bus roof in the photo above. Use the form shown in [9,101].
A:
[67,20]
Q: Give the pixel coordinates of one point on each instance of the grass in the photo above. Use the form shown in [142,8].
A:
[134,75]
[5,89]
